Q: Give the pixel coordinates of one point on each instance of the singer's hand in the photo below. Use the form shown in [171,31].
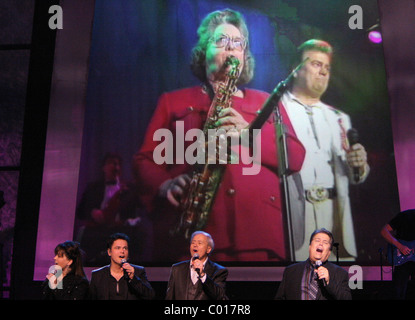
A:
[323,273]
[197,264]
[130,269]
[357,156]
[50,275]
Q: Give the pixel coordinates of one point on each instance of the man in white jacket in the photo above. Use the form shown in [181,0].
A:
[319,196]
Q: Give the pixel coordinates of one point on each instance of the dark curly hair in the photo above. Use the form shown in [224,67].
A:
[117,236]
[205,32]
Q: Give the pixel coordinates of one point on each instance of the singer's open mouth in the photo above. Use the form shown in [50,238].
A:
[319,250]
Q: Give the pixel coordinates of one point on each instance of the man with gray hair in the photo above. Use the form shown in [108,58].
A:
[198,278]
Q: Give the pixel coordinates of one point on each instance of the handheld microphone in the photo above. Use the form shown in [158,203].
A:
[125,271]
[353,137]
[195,257]
[318,265]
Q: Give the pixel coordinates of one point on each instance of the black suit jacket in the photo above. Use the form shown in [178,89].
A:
[212,289]
[74,288]
[138,288]
[337,288]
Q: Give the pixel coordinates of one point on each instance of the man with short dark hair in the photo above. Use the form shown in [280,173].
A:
[316,278]
[120,280]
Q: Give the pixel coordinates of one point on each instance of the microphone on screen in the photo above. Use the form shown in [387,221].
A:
[353,137]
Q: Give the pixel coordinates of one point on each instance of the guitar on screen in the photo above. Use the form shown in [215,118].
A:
[397,258]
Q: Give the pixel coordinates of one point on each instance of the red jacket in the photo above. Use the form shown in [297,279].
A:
[246,221]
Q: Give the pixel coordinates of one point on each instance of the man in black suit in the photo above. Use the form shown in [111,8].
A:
[309,281]
[198,278]
[120,280]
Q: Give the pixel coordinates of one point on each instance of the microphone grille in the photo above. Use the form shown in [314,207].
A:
[196,256]
[319,263]
[353,136]
[123,261]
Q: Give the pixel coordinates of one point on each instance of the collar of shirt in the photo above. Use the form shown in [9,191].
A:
[311,264]
[294,98]
[315,133]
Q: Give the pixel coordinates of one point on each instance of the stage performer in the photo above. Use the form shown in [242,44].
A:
[399,232]
[315,278]
[243,202]
[109,205]
[66,280]
[120,280]
[198,278]
[319,193]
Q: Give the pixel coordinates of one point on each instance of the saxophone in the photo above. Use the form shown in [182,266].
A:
[196,204]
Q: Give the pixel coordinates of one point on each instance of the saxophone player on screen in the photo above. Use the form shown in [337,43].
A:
[238,204]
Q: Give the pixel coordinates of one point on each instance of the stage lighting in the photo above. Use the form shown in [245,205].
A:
[374,34]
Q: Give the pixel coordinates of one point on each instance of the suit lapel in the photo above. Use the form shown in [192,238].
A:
[298,278]
[188,280]
[209,270]
[182,280]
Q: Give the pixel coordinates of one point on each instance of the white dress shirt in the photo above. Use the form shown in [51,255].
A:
[317,167]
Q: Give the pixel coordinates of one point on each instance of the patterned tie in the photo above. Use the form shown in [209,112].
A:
[313,285]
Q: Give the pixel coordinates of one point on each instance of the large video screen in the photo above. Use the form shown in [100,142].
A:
[151,76]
